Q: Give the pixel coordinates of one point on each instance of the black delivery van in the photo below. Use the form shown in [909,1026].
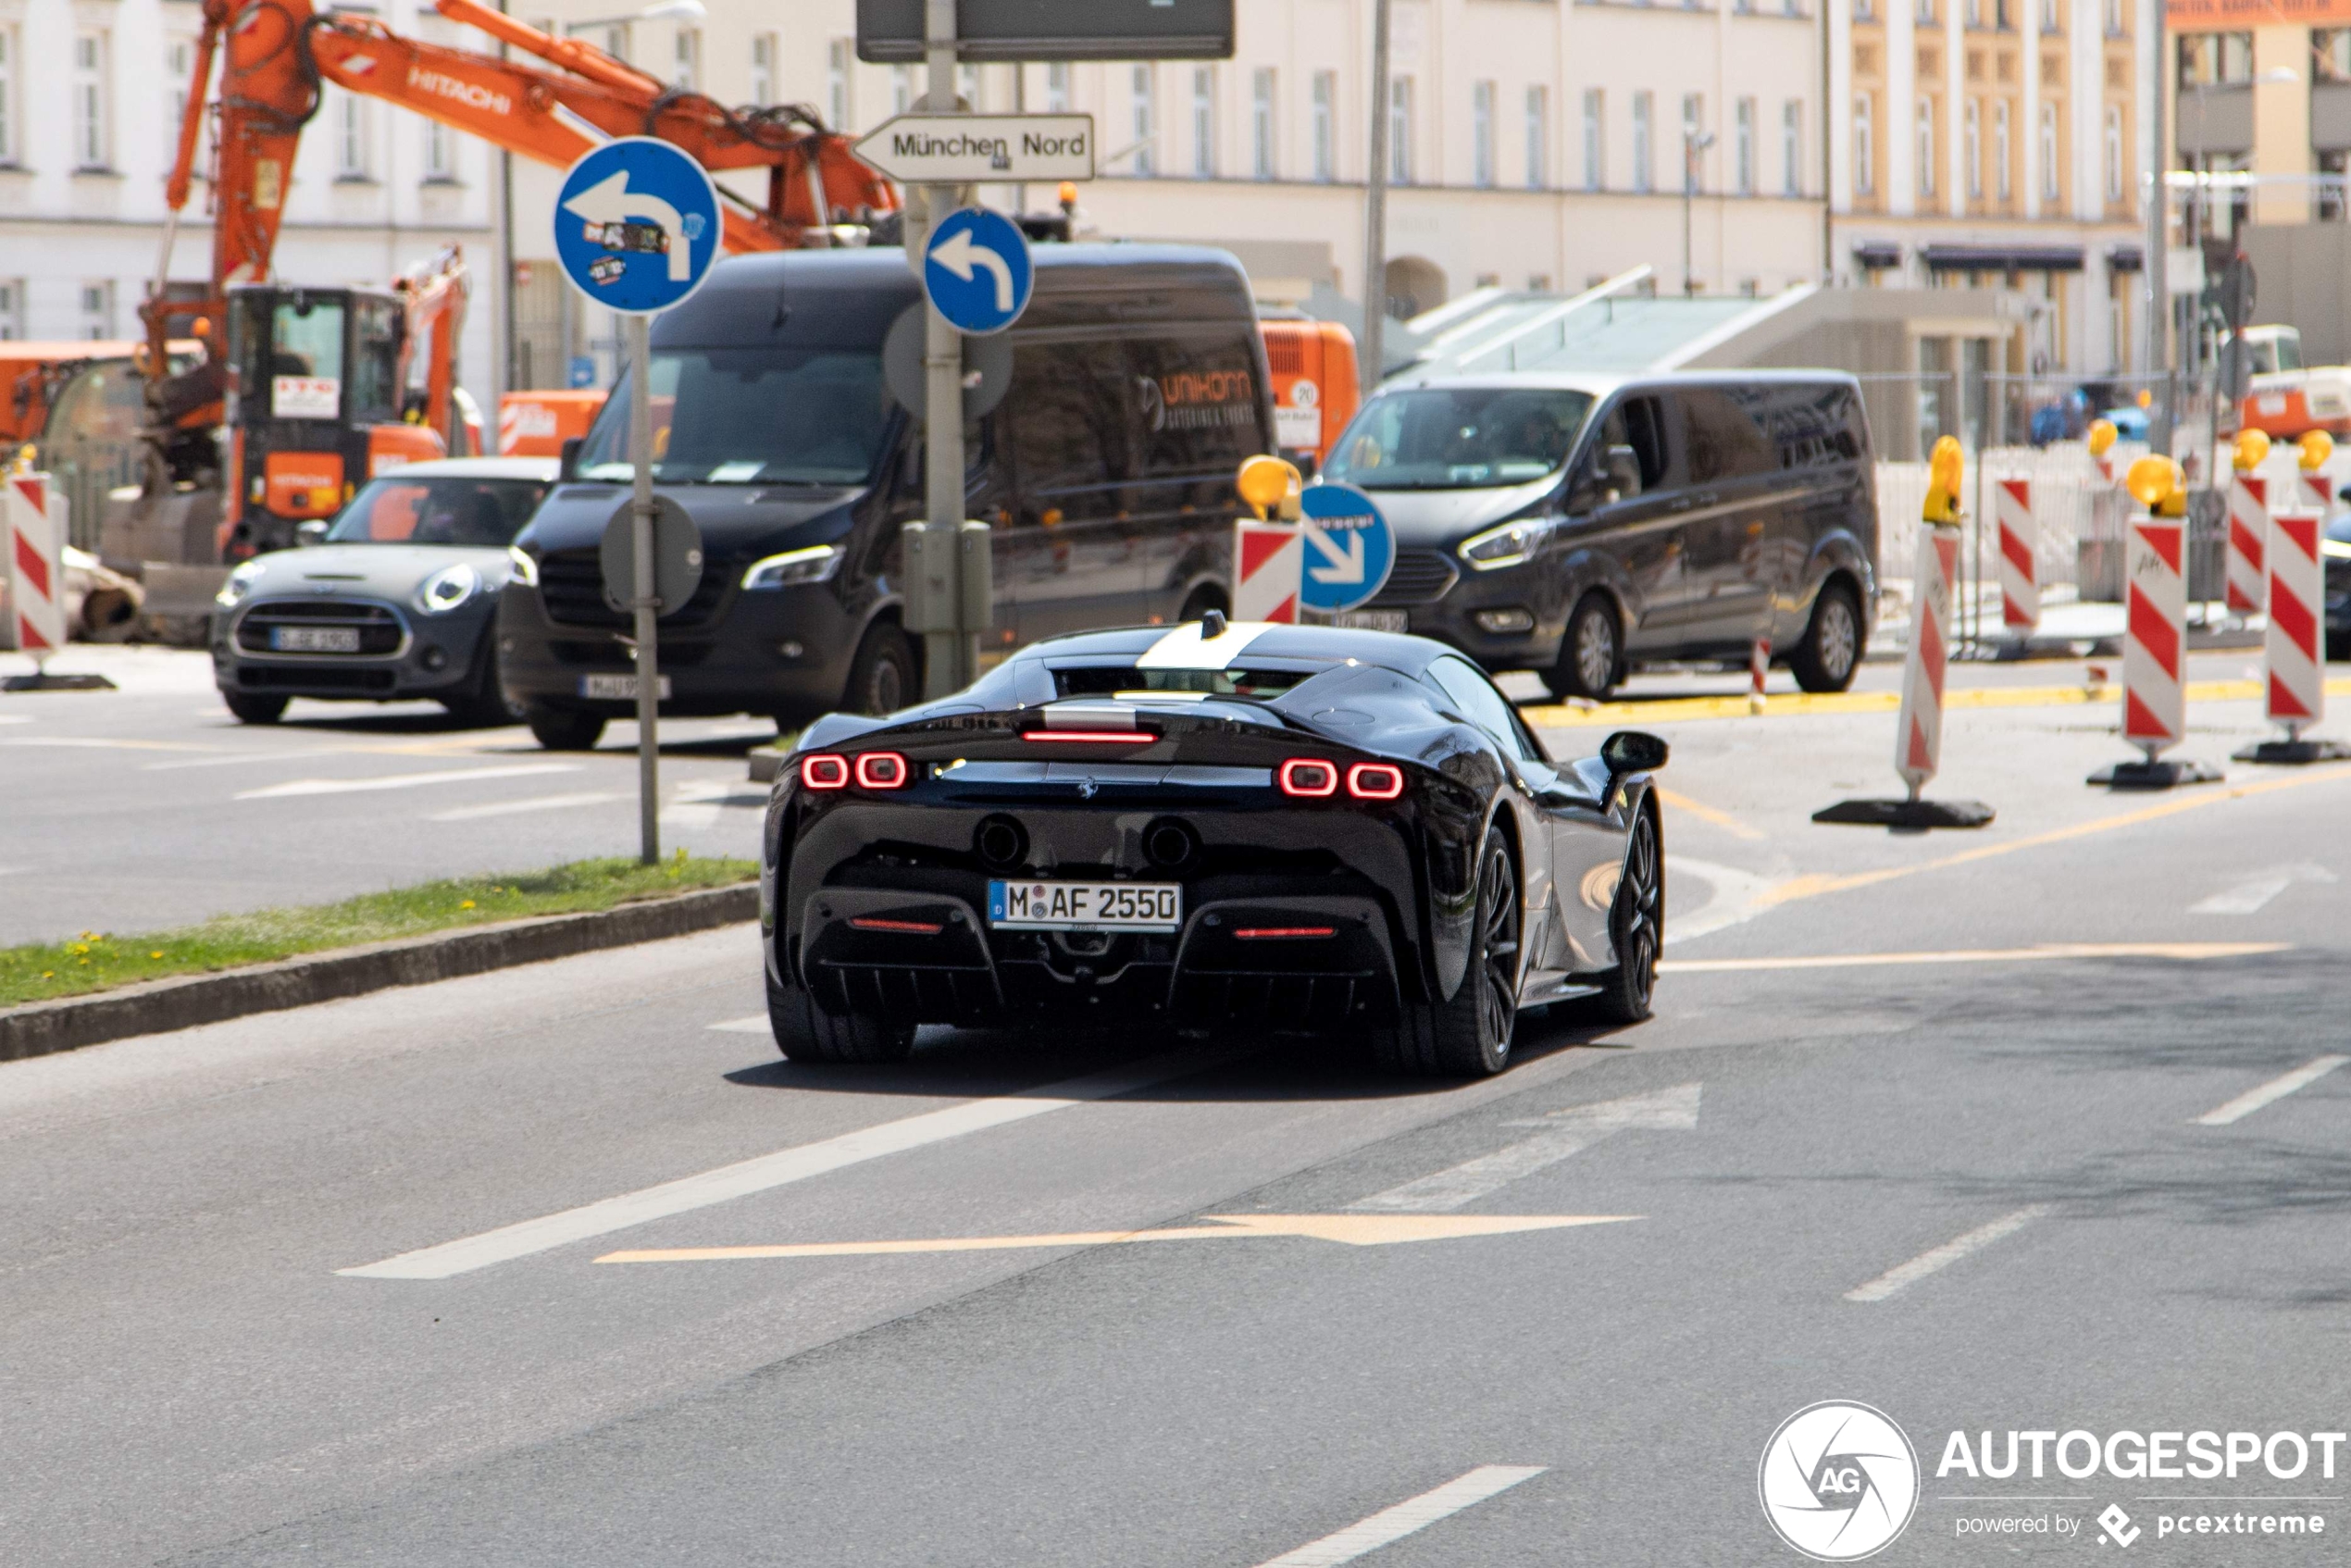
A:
[1139,384]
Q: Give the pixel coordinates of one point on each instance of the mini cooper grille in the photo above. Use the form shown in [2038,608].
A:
[1419,576]
[378,625]
[571,584]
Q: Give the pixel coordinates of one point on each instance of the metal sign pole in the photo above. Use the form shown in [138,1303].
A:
[944,654]
[647,603]
[1375,342]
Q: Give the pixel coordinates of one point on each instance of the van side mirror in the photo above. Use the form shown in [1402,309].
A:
[1622,466]
[312,531]
[1632,751]
[568,465]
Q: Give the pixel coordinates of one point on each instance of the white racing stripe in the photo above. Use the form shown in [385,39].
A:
[1409,1517]
[2245,1104]
[1942,1257]
[780,1169]
[402,780]
[1184,648]
[536,802]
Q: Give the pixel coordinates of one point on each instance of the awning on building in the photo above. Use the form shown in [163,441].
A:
[2125,258]
[1876,254]
[2001,258]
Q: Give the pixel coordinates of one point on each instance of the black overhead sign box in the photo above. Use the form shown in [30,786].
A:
[890,31]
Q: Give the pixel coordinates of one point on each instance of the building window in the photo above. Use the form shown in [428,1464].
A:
[2216,59]
[1971,146]
[2113,153]
[2327,199]
[11,309]
[1482,133]
[1261,124]
[1538,138]
[1864,144]
[91,110]
[837,56]
[1399,131]
[2049,22]
[9,154]
[2050,190]
[438,167]
[1204,121]
[616,40]
[97,310]
[685,48]
[2114,18]
[968,82]
[901,89]
[1926,13]
[1792,147]
[1325,137]
[1974,13]
[1057,88]
[1744,117]
[2003,150]
[1644,165]
[350,137]
[1146,123]
[762,68]
[1595,139]
[1693,167]
[1926,148]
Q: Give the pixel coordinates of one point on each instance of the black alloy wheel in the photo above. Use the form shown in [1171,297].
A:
[1468,1034]
[1636,924]
[805,1032]
[1589,654]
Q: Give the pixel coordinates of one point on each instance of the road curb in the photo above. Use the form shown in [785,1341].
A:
[42,1028]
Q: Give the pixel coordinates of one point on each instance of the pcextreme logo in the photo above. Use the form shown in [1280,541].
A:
[1838,1481]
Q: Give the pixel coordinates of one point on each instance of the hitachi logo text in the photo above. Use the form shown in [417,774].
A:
[471,94]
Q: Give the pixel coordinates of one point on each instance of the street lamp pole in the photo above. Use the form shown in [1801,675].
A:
[1374,344]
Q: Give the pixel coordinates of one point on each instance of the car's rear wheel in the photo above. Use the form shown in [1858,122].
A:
[252,709]
[882,678]
[805,1032]
[1831,649]
[1469,1034]
[1637,926]
[559,730]
[1590,653]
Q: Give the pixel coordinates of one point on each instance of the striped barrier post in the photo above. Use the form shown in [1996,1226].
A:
[1268,562]
[1759,668]
[1918,736]
[2248,541]
[2293,648]
[36,620]
[2020,546]
[2155,715]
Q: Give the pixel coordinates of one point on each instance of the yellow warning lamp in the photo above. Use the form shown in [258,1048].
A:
[2154,483]
[2146,398]
[1068,196]
[2103,436]
[1268,484]
[1945,465]
[2317,447]
[2252,450]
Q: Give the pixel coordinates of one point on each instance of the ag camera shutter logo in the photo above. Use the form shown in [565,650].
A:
[1838,1481]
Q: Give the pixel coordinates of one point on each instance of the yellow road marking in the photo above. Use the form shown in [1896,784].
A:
[2184,952]
[1353,1230]
[1801,705]
[1720,818]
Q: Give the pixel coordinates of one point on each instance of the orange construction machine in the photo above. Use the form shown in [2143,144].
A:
[1314,390]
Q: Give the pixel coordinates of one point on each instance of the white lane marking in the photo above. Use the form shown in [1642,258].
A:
[536,802]
[1738,897]
[2252,1099]
[14,718]
[756,1023]
[1942,1257]
[402,780]
[1409,1517]
[2185,952]
[2249,896]
[93,743]
[243,759]
[1184,648]
[781,1168]
[1566,1132]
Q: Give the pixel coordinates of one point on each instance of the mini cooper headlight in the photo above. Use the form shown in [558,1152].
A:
[1505,546]
[241,582]
[447,589]
[813,564]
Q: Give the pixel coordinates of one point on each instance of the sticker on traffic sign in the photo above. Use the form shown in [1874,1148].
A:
[636,225]
[1350,548]
[977,271]
[966,149]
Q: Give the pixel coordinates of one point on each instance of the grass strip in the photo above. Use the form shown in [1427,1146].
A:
[98,961]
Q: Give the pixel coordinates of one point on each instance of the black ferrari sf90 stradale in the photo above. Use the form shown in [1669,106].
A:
[1244,826]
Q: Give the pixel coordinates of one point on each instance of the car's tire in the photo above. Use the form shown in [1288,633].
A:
[252,709]
[1469,1035]
[805,1032]
[1591,652]
[1830,650]
[486,703]
[559,730]
[882,676]
[1637,926]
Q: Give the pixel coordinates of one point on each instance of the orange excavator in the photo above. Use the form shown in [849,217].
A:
[313,383]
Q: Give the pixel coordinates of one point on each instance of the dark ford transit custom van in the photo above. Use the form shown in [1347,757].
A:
[1575,525]
[1139,384]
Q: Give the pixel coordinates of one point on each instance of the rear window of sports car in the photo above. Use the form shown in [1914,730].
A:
[1106,681]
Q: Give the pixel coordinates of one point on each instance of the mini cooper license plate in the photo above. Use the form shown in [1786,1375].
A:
[1086,906]
[315,639]
[615,688]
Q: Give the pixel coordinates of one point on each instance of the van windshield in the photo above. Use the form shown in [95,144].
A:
[1459,437]
[749,415]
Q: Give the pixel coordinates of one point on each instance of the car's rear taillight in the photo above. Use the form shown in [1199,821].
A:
[1309,778]
[1374,781]
[881,770]
[823,770]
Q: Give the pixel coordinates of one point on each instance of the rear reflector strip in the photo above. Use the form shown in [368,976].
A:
[1094,737]
[909,927]
[1263,933]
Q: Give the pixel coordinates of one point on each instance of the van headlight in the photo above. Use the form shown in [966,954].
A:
[814,564]
[242,581]
[1505,546]
[525,566]
[2335,549]
[447,589]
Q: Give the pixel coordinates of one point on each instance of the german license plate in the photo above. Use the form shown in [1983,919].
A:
[315,639]
[1086,906]
[616,687]
[1373,620]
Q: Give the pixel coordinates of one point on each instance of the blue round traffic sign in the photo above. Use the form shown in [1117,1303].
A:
[636,225]
[976,270]
[1350,548]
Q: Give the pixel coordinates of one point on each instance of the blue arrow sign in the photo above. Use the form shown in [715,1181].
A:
[1350,548]
[636,225]
[978,271]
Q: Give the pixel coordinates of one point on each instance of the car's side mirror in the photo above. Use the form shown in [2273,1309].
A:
[1632,751]
[1624,470]
[311,532]
[568,468]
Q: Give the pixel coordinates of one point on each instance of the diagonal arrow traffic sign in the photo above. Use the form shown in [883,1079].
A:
[1349,1230]
[611,201]
[1346,565]
[1564,1133]
[960,254]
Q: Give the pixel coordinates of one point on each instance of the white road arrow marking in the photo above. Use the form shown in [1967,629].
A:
[2249,896]
[611,201]
[1346,565]
[959,252]
[1565,1132]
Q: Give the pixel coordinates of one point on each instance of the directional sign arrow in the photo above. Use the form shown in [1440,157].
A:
[611,201]
[1565,1132]
[1346,565]
[960,254]
[1351,1230]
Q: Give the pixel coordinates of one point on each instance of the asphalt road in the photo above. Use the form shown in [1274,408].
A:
[1973,1182]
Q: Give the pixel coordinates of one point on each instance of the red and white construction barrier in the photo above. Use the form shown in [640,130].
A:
[1759,670]
[2155,692]
[2317,489]
[2298,597]
[32,528]
[2248,543]
[1269,562]
[2020,545]
[1918,744]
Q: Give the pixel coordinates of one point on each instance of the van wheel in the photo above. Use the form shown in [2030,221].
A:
[560,730]
[881,678]
[1590,653]
[1831,650]
[254,710]
[1202,600]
